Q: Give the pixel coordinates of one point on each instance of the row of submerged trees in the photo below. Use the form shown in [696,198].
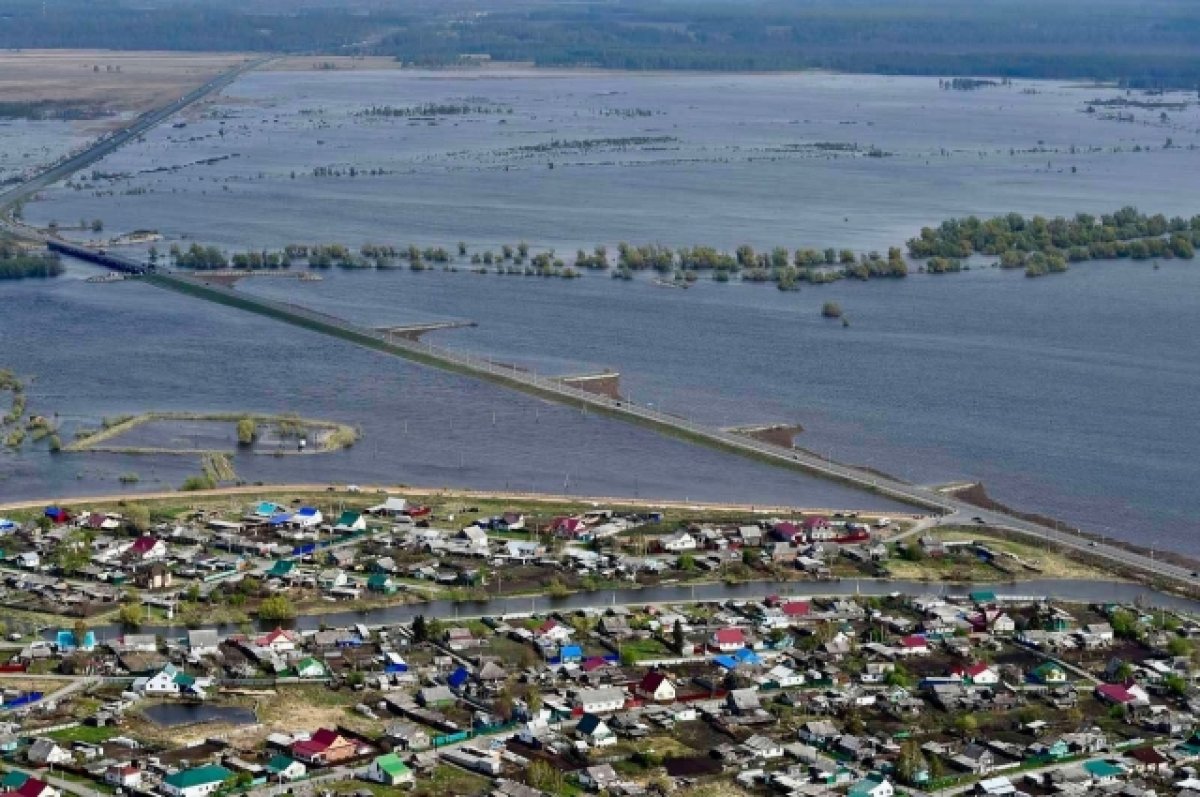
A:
[1037,245]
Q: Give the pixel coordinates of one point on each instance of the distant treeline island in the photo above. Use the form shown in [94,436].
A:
[1036,244]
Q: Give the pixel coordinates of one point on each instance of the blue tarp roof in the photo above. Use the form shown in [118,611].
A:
[279,520]
[306,511]
[570,652]
[458,677]
[728,662]
[747,656]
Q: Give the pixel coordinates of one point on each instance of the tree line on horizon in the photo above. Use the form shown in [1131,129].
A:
[1138,43]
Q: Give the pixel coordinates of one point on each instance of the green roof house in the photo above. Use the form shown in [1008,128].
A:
[872,786]
[1102,771]
[982,597]
[283,768]
[390,770]
[310,668]
[196,782]
[381,582]
[1049,673]
[13,780]
[350,521]
[281,569]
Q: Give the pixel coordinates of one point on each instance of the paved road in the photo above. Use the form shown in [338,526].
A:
[113,141]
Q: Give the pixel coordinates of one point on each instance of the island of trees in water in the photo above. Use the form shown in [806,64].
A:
[1043,246]
[16,262]
[1036,244]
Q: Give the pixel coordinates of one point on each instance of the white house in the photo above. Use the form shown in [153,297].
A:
[125,777]
[679,542]
[308,517]
[29,560]
[763,747]
[728,640]
[595,731]
[278,641]
[203,642]
[554,631]
[44,752]
[655,685]
[784,677]
[979,674]
[391,507]
[602,700]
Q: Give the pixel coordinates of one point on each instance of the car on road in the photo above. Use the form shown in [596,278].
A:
[977,519]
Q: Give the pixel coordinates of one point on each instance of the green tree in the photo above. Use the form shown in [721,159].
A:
[543,776]
[686,562]
[72,553]
[276,607]
[912,764]
[138,517]
[1178,646]
[247,430]
[677,636]
[132,614]
[420,632]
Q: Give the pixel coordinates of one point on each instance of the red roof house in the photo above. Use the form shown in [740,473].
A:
[729,639]
[325,747]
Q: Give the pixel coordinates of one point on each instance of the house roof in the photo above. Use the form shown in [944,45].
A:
[796,608]
[652,680]
[276,635]
[1115,693]
[914,641]
[589,724]
[348,518]
[730,636]
[972,670]
[143,544]
[391,764]
[197,776]
[32,787]
[1100,768]
[1147,755]
[280,763]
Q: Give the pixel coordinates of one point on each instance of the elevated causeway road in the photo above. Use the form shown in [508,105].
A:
[948,507]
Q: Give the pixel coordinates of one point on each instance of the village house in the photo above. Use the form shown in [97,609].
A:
[390,771]
[599,701]
[324,748]
[656,685]
[196,782]
[595,731]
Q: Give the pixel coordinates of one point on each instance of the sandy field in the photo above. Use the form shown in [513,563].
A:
[109,82]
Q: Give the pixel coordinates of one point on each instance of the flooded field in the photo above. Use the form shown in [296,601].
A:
[1071,395]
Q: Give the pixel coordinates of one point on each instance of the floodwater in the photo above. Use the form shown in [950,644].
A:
[1071,395]
[92,351]
[26,145]
[171,715]
[1082,591]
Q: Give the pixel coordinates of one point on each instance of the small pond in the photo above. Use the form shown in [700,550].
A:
[170,715]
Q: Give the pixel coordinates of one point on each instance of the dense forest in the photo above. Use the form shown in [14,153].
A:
[1140,43]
